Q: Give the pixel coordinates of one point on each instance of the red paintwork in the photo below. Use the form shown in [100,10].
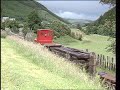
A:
[44,36]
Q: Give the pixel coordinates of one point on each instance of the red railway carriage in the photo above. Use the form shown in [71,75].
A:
[44,36]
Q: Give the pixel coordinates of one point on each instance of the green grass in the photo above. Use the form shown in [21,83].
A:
[22,8]
[94,43]
[26,66]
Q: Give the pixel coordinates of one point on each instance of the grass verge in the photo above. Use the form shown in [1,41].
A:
[29,66]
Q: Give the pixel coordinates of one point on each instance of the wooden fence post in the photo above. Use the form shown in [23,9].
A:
[109,63]
[92,64]
[103,58]
[105,63]
[86,50]
[112,64]
[115,66]
[98,60]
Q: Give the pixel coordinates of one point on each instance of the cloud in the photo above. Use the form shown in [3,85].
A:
[73,15]
[81,9]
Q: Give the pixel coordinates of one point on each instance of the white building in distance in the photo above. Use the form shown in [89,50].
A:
[5,18]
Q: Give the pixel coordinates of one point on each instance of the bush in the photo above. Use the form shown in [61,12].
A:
[56,34]
[15,30]
[13,25]
[72,34]
[30,36]
[80,37]
[112,46]
[25,30]
[3,25]
[3,34]
[76,35]
[60,28]
[8,31]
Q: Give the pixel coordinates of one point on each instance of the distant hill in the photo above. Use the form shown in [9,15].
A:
[78,21]
[110,15]
[104,25]
[19,9]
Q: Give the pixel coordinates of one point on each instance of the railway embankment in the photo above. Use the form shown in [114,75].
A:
[27,65]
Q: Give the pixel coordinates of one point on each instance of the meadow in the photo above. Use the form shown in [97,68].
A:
[28,66]
[93,42]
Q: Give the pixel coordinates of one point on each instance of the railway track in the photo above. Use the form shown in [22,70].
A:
[86,59]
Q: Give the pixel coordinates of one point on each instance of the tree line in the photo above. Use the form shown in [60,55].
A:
[33,22]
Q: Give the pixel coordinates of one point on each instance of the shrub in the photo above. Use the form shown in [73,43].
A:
[80,37]
[13,25]
[8,31]
[72,34]
[3,25]
[76,35]
[112,46]
[25,30]
[15,30]
[29,36]
[3,34]
[60,28]
[56,34]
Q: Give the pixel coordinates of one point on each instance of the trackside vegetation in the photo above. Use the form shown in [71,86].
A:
[25,65]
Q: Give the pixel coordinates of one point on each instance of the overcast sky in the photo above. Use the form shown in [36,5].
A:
[76,9]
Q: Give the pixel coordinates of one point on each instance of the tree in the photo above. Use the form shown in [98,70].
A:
[110,2]
[34,21]
[112,46]
[59,28]
[25,29]
[79,27]
[3,25]
[13,25]
[80,37]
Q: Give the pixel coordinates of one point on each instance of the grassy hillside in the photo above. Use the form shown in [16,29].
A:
[105,25]
[94,43]
[21,8]
[25,65]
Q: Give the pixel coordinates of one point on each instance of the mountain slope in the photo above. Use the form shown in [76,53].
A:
[108,16]
[105,25]
[20,9]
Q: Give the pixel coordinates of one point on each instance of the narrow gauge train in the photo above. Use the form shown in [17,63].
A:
[87,59]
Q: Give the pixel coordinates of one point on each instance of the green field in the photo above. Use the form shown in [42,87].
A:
[28,66]
[94,43]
